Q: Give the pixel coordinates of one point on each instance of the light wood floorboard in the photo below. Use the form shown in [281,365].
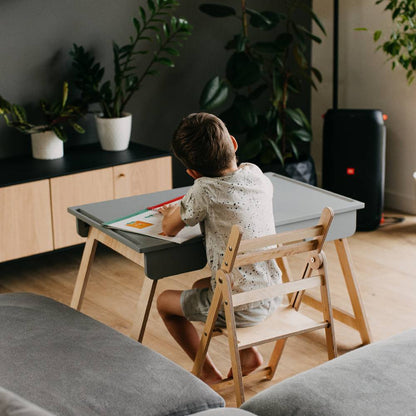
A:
[385,262]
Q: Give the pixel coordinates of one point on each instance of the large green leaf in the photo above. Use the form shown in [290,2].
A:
[276,150]
[246,110]
[217,10]
[250,149]
[214,94]
[309,34]
[301,134]
[59,131]
[294,116]
[258,19]
[242,71]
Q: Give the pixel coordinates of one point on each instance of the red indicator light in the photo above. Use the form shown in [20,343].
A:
[385,117]
[350,171]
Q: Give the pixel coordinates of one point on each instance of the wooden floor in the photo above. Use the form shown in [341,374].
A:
[385,262]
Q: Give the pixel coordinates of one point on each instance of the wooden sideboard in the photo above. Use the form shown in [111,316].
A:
[35,194]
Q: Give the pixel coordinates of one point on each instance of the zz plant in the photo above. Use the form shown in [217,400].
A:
[56,116]
[157,33]
[260,75]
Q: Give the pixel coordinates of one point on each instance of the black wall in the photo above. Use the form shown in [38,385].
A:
[37,36]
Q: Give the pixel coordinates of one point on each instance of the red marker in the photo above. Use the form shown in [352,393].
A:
[165,203]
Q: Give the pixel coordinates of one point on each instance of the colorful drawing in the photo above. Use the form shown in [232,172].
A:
[139,224]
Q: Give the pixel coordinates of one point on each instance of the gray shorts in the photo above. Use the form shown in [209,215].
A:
[195,305]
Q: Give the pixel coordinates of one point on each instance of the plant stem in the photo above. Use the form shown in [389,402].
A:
[244,18]
[151,63]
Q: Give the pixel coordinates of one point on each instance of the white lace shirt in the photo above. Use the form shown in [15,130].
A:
[243,197]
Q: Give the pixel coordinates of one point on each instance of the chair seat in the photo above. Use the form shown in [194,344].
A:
[283,321]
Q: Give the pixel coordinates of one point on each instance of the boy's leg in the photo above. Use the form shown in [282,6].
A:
[250,360]
[185,334]
[250,357]
[201,283]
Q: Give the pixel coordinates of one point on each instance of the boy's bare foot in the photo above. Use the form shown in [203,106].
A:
[250,360]
[211,376]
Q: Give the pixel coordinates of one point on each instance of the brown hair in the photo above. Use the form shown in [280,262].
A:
[201,142]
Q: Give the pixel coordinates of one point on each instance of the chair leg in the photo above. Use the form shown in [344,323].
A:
[327,312]
[284,266]
[275,357]
[207,333]
[232,341]
[235,359]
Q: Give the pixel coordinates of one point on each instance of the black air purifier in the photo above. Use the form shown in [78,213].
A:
[354,160]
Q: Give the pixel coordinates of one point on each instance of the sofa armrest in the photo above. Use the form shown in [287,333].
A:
[377,379]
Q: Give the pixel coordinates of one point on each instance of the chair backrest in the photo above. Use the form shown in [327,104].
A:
[244,252]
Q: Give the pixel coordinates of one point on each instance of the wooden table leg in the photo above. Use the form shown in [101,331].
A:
[351,282]
[84,270]
[144,304]
[357,319]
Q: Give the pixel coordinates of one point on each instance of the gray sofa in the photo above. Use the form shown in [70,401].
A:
[378,379]
[57,361]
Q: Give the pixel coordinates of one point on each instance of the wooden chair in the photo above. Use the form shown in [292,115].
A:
[287,320]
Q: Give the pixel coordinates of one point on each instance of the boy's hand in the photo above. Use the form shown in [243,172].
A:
[166,209]
[172,222]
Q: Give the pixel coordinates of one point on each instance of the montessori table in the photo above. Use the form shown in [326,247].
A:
[296,205]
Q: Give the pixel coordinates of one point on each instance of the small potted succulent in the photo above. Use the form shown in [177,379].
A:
[48,136]
[157,27]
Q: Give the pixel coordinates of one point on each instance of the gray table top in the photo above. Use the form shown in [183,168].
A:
[296,205]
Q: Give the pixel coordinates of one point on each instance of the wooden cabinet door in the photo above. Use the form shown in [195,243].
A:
[143,177]
[25,220]
[77,189]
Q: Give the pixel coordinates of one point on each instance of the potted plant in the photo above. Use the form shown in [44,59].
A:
[47,137]
[260,75]
[400,45]
[156,27]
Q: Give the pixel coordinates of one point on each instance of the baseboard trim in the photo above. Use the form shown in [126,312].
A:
[400,202]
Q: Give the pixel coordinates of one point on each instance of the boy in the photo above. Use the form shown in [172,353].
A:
[223,194]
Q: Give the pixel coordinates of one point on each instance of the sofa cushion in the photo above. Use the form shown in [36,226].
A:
[70,364]
[378,379]
[13,405]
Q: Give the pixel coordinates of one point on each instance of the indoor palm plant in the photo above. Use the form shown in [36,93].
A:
[158,34]
[253,97]
[49,135]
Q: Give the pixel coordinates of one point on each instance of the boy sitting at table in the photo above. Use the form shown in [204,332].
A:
[223,194]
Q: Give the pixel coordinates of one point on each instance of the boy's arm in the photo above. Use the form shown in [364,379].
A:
[172,222]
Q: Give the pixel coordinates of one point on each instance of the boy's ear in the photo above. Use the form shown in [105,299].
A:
[235,144]
[194,174]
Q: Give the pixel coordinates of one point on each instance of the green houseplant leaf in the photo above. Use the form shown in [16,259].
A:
[214,94]
[57,116]
[400,44]
[217,10]
[262,72]
[158,35]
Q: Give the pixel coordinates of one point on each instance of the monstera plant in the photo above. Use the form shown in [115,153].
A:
[267,65]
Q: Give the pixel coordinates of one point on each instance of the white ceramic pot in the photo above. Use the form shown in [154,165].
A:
[47,146]
[114,133]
